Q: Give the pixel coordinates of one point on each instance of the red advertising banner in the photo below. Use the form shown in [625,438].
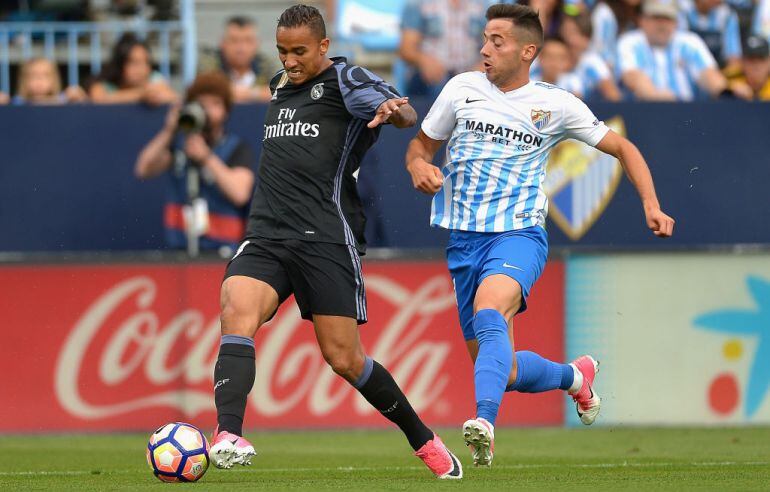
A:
[131,346]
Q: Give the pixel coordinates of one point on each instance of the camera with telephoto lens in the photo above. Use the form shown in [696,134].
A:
[192,118]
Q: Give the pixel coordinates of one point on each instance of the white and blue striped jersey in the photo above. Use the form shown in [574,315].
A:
[498,149]
[605,37]
[590,70]
[719,29]
[676,67]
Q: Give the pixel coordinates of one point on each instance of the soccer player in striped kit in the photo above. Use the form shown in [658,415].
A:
[501,127]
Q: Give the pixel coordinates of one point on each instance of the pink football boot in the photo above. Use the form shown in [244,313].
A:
[228,449]
[440,459]
[587,401]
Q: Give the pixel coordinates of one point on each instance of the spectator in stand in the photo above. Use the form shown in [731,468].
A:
[717,25]
[753,82]
[440,38]
[129,77]
[239,57]
[744,9]
[555,65]
[660,63]
[761,23]
[40,83]
[610,19]
[594,73]
[220,164]
[330,12]
[550,13]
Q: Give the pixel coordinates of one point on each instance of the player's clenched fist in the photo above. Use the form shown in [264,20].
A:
[425,176]
[659,223]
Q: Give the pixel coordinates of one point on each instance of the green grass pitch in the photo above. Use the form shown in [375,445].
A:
[526,459]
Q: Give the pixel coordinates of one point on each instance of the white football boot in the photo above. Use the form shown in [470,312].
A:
[479,435]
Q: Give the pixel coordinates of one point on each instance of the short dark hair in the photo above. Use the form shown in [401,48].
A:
[303,15]
[240,21]
[213,83]
[522,17]
[583,23]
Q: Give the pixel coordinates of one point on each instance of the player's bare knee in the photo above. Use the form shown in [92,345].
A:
[506,305]
[348,365]
[506,309]
[235,323]
[237,316]
[498,292]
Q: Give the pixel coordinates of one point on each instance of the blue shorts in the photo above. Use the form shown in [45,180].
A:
[473,256]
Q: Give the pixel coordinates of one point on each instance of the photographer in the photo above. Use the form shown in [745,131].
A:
[211,172]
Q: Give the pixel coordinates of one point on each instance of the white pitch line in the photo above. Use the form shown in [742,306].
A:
[410,468]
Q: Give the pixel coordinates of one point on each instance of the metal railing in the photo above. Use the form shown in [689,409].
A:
[24,38]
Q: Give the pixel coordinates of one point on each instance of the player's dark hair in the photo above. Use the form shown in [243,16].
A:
[240,21]
[213,83]
[523,18]
[583,23]
[303,15]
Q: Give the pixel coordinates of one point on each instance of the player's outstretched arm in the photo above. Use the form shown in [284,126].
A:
[398,112]
[425,176]
[639,174]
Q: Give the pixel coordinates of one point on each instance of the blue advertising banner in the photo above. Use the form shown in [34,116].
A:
[67,184]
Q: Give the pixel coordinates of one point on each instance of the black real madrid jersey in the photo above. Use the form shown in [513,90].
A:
[315,138]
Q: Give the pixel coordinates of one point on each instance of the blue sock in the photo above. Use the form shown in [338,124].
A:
[534,374]
[493,363]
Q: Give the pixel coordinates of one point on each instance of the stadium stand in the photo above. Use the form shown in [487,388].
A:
[81,46]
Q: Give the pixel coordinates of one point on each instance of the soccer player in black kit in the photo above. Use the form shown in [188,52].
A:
[305,234]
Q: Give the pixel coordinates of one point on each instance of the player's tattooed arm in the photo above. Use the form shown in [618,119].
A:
[426,177]
[639,174]
[397,111]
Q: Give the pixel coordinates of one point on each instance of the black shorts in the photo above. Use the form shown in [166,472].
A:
[325,278]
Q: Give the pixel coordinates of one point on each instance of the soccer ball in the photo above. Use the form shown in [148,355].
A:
[178,452]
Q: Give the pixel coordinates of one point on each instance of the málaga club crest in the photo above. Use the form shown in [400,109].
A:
[540,118]
[580,182]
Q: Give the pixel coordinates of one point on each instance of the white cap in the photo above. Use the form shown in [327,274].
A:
[661,8]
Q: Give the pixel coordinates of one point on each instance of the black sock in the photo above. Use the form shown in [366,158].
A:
[234,376]
[378,387]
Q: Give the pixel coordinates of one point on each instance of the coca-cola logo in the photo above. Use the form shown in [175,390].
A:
[140,344]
